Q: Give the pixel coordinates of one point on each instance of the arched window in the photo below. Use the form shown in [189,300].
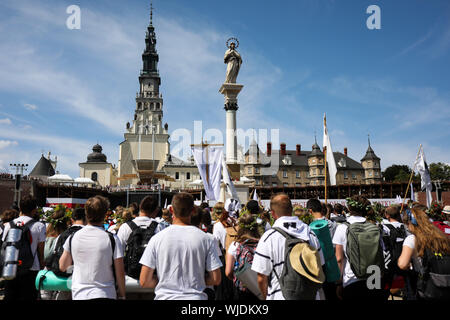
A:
[94,176]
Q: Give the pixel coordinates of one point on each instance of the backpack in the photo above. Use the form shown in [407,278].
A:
[295,286]
[136,244]
[26,258]
[433,281]
[364,247]
[244,259]
[393,249]
[52,262]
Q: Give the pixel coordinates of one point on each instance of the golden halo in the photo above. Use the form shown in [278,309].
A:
[235,40]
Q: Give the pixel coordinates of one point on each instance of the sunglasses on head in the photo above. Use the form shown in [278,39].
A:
[410,216]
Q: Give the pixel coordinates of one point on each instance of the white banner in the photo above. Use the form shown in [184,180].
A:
[422,167]
[227,180]
[302,202]
[330,156]
[209,164]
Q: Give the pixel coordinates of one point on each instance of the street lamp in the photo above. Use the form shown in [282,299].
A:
[20,167]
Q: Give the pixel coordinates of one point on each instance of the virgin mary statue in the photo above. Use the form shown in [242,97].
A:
[233,60]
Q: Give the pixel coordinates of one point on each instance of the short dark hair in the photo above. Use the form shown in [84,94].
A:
[314,204]
[197,216]
[253,207]
[182,204]
[206,217]
[27,204]
[394,212]
[96,208]
[338,208]
[281,204]
[204,205]
[149,204]
[79,214]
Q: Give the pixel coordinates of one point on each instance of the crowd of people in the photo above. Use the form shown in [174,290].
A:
[230,251]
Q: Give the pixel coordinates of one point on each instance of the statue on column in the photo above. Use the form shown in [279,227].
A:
[233,60]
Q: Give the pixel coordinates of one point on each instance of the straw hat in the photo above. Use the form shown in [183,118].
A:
[306,261]
[446,210]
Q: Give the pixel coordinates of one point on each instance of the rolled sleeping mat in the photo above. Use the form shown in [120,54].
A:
[331,269]
[51,282]
[47,280]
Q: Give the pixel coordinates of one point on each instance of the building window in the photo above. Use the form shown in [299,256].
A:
[285,184]
[345,175]
[249,170]
[177,176]
[370,173]
[256,170]
[188,176]
[274,184]
[94,176]
[297,174]
[285,174]
[298,184]
[354,176]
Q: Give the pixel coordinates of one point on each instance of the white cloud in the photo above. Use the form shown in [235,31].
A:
[31,107]
[5,121]
[7,143]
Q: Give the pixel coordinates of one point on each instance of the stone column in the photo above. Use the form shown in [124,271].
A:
[230,92]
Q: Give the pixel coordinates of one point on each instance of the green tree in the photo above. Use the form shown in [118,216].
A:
[439,171]
[397,173]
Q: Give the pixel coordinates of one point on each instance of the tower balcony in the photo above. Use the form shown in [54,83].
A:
[148,95]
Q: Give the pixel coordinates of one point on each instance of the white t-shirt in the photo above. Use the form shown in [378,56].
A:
[232,249]
[269,254]
[124,231]
[340,237]
[92,256]
[220,233]
[181,256]
[37,230]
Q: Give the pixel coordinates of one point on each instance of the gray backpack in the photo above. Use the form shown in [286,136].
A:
[294,286]
[364,247]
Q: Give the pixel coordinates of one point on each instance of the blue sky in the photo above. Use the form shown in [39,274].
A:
[65,90]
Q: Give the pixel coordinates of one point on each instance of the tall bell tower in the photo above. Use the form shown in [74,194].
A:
[146,143]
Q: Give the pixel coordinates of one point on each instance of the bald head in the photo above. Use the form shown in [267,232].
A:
[281,205]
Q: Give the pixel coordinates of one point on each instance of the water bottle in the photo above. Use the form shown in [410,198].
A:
[11,254]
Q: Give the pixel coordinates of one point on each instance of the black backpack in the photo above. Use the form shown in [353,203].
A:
[294,286]
[433,281]
[52,262]
[393,249]
[26,256]
[136,244]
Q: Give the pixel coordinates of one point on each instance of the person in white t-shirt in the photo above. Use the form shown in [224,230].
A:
[269,255]
[148,208]
[97,260]
[23,287]
[351,287]
[184,256]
